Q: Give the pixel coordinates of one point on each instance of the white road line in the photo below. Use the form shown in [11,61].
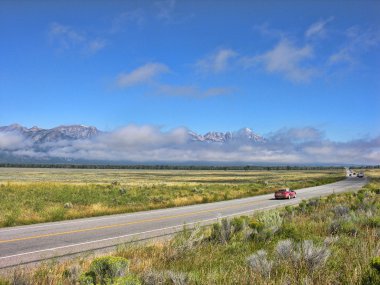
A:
[140,233]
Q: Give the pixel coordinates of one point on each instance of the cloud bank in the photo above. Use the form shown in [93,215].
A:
[149,144]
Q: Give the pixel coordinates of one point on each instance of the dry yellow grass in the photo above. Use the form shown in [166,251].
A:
[39,195]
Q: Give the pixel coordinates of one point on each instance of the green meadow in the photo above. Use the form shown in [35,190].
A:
[42,195]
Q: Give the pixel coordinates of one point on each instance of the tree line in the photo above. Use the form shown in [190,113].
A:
[177,167]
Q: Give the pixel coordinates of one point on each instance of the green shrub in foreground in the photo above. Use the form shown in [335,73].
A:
[105,269]
[372,275]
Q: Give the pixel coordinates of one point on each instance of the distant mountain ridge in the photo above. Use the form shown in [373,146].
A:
[39,135]
[244,134]
[80,132]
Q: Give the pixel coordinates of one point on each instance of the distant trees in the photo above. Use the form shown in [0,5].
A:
[177,167]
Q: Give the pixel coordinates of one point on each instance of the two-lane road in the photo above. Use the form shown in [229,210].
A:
[24,244]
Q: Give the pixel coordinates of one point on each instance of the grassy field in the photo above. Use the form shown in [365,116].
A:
[40,195]
[330,240]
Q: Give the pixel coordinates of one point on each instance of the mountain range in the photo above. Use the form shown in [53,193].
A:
[87,144]
[80,132]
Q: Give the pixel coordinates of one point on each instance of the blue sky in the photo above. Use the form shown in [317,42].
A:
[203,65]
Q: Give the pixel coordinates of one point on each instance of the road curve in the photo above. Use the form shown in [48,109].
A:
[26,244]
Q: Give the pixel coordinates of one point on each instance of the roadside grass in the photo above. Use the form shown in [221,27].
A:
[43,195]
[329,240]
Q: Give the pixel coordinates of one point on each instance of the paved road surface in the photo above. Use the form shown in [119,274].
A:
[25,244]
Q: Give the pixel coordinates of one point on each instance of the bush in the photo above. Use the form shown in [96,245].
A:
[272,220]
[285,249]
[258,262]
[349,228]
[107,268]
[185,241]
[302,255]
[222,232]
[256,225]
[72,273]
[178,278]
[154,278]
[373,222]
[239,223]
[291,231]
[375,263]
[314,256]
[127,280]
[313,203]
[340,211]
[372,276]
[87,278]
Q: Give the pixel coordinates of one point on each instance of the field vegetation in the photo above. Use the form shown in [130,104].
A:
[329,240]
[31,195]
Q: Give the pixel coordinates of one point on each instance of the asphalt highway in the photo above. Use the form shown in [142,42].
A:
[27,244]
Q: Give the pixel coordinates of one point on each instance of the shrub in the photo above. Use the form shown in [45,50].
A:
[222,232]
[178,278]
[87,278]
[373,222]
[291,231]
[122,191]
[256,225]
[340,211]
[19,277]
[154,278]
[239,223]
[313,203]
[108,267]
[72,273]
[349,228]
[375,263]
[314,256]
[372,276]
[259,263]
[127,280]
[272,220]
[335,227]
[185,241]
[285,249]
[11,218]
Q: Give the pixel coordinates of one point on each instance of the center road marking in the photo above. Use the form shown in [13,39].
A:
[129,223]
[140,233]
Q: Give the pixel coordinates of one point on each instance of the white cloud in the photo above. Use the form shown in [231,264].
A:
[317,28]
[285,59]
[65,38]
[358,42]
[217,62]
[10,141]
[141,75]
[151,144]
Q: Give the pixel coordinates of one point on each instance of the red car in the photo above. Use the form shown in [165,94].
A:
[285,193]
